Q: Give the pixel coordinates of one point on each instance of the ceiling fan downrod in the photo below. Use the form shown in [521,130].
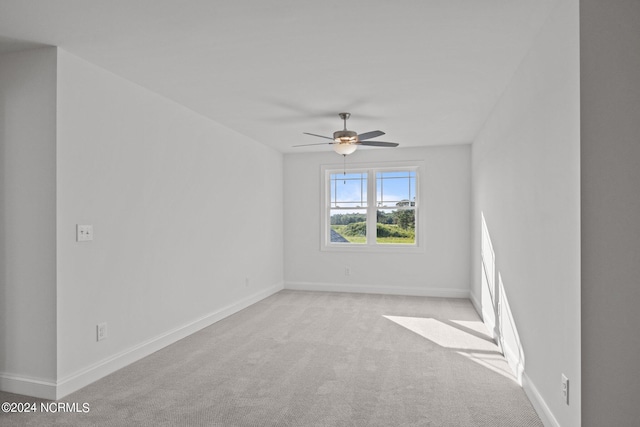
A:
[344,117]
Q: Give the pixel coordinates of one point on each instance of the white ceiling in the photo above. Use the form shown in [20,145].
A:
[427,72]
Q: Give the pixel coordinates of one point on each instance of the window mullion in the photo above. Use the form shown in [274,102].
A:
[371,208]
[329,203]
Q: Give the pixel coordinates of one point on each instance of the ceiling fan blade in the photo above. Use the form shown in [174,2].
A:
[379,144]
[319,136]
[319,143]
[369,135]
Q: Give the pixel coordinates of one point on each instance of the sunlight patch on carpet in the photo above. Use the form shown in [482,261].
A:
[467,338]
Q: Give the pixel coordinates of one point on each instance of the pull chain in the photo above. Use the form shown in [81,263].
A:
[344,158]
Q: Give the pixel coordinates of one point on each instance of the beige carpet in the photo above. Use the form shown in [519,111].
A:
[313,359]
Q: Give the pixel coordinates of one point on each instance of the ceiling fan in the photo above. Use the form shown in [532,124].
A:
[347,141]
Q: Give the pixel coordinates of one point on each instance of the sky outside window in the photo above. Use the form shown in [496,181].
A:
[395,187]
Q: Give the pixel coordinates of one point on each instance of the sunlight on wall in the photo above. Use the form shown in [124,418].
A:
[467,338]
[508,334]
[487,294]
[496,311]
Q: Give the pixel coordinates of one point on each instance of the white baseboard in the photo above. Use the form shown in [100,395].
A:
[490,322]
[372,289]
[92,373]
[476,303]
[28,386]
[514,360]
[538,403]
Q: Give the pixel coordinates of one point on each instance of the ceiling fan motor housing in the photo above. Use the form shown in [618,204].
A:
[345,136]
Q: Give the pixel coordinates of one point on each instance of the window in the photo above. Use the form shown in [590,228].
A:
[370,208]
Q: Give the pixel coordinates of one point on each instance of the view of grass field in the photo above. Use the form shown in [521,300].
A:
[386,233]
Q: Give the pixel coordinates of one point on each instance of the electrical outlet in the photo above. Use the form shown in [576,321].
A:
[347,271]
[84,233]
[565,388]
[101,329]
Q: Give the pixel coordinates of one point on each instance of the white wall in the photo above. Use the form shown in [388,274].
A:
[610,159]
[187,217]
[442,269]
[526,185]
[27,217]
[185,214]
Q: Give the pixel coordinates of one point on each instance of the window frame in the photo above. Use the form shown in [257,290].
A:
[371,244]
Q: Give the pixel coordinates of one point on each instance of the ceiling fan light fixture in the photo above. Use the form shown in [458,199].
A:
[344,148]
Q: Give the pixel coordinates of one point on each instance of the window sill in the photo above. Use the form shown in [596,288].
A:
[383,248]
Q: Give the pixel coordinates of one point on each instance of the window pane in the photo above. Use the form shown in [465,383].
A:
[396,226]
[348,190]
[348,226]
[396,188]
